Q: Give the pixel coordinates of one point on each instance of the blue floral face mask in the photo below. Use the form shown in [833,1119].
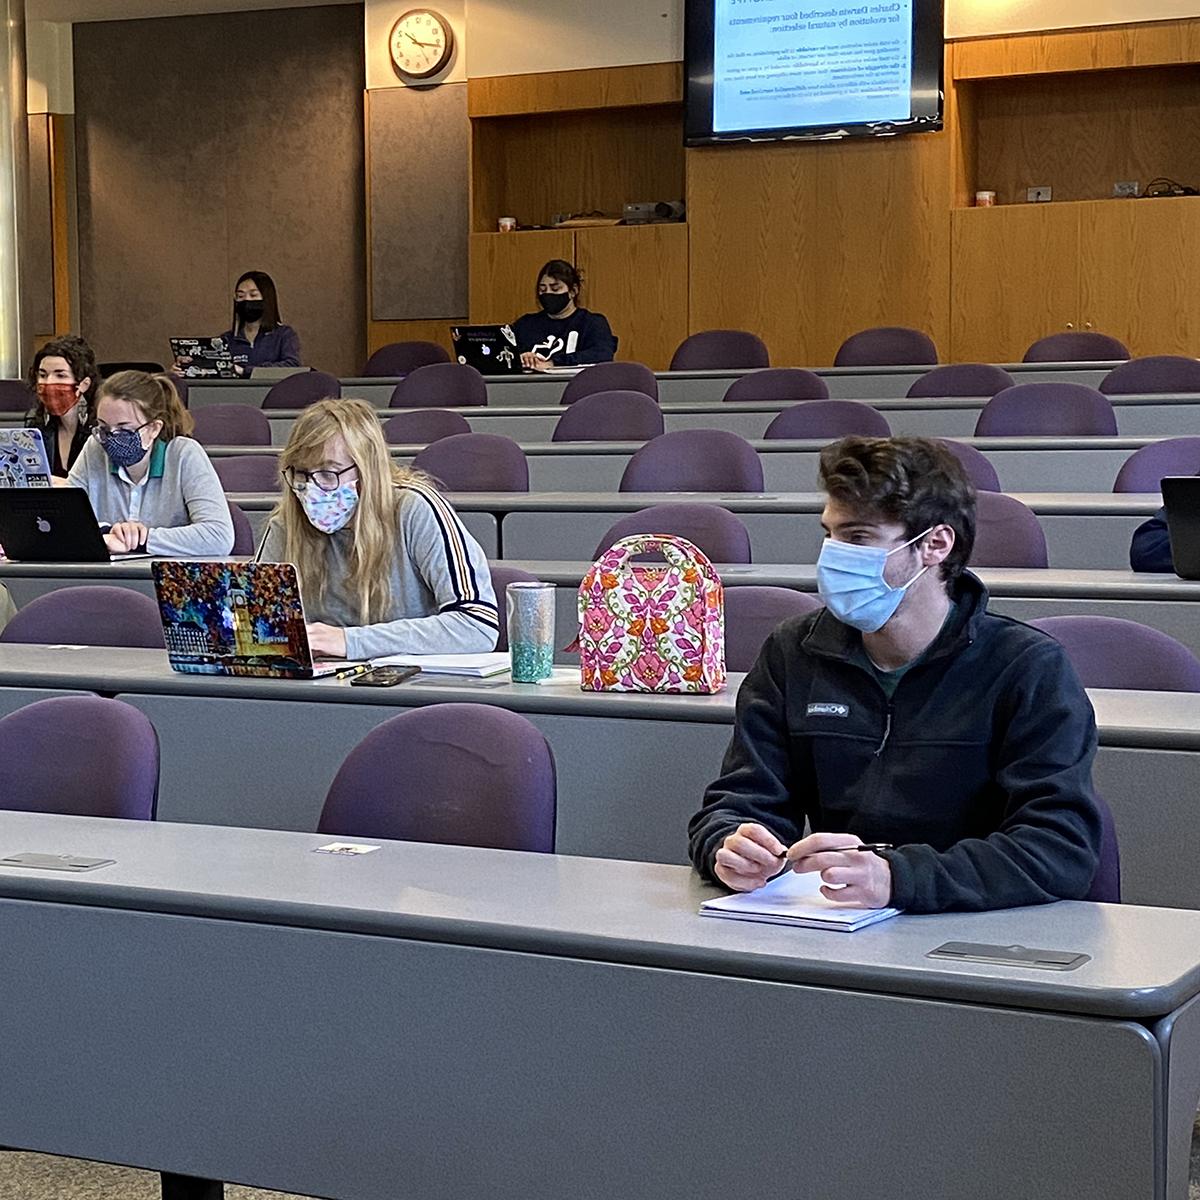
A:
[123,446]
[328,511]
[850,581]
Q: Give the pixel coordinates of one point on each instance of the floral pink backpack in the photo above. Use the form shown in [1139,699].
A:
[652,627]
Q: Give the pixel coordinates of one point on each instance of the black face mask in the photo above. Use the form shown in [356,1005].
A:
[554,302]
[249,310]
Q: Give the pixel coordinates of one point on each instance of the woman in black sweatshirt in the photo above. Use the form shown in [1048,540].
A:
[562,334]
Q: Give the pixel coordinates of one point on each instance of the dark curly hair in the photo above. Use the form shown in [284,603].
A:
[915,482]
[81,358]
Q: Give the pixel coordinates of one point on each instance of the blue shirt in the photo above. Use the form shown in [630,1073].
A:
[278,347]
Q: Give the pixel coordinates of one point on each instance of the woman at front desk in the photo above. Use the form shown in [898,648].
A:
[562,334]
[150,484]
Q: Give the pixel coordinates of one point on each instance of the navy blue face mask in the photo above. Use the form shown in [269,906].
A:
[123,446]
[554,302]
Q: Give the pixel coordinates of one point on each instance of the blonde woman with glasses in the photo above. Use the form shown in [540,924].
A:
[385,564]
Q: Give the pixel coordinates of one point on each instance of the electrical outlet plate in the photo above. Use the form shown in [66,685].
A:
[1127,189]
[1039,195]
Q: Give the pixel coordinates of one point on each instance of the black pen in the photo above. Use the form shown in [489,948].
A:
[875,847]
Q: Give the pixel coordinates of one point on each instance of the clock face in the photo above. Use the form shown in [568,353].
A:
[421,43]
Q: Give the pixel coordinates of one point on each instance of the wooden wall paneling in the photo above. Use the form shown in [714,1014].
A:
[752,229]
[489,174]
[1082,133]
[37,249]
[962,130]
[1137,281]
[64,223]
[419,160]
[806,244]
[1149,44]
[504,269]
[1016,278]
[383,333]
[577,162]
[560,91]
[637,277]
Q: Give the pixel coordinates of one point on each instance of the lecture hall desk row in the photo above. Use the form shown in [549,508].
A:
[631,768]
[232,1004]
[1022,464]
[1084,531]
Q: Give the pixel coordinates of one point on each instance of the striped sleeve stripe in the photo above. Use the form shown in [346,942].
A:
[458,558]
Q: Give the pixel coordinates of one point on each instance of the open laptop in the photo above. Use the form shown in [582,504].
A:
[210,357]
[55,524]
[235,618]
[23,459]
[490,349]
[1181,496]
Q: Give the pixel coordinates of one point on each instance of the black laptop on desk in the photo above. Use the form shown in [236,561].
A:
[1181,496]
[490,349]
[52,525]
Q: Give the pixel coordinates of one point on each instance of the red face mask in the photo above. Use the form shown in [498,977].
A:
[58,398]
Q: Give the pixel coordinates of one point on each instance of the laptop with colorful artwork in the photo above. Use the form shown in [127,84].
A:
[23,459]
[235,618]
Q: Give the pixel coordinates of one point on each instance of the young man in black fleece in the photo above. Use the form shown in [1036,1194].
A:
[905,713]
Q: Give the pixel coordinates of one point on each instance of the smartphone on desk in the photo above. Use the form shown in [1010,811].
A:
[384,676]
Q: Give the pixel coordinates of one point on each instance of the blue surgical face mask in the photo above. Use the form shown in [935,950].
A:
[850,581]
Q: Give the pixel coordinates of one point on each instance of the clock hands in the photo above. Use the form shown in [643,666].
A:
[423,45]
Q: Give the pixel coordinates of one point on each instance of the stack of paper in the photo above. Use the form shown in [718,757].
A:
[474,666]
[791,899]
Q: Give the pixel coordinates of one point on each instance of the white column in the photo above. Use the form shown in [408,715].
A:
[14,182]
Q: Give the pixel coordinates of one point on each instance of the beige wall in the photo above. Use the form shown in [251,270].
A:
[50,80]
[979,18]
[521,37]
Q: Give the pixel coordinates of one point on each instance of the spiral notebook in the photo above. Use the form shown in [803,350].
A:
[791,899]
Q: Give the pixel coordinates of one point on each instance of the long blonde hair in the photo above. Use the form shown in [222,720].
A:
[373,526]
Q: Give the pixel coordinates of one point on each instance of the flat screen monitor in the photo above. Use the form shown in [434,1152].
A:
[767,70]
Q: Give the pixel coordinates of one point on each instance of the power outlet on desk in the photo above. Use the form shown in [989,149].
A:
[1127,189]
[1039,195]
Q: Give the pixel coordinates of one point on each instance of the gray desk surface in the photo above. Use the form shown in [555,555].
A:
[1162,720]
[1144,961]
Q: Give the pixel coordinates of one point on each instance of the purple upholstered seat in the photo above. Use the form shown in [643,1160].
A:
[962,379]
[302,389]
[231,425]
[441,385]
[718,532]
[1007,533]
[1047,410]
[610,417]
[887,346]
[475,462]
[976,464]
[91,615]
[248,472]
[1111,652]
[829,419]
[694,460]
[80,756]
[1144,469]
[15,396]
[721,350]
[1076,346]
[783,384]
[1158,373]
[752,613]
[457,774]
[611,377]
[399,358]
[243,531]
[502,576]
[423,426]
[1106,883]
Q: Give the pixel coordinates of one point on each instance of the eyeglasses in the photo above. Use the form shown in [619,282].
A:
[100,431]
[327,481]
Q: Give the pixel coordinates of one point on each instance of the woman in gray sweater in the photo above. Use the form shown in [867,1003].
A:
[146,478]
[385,564]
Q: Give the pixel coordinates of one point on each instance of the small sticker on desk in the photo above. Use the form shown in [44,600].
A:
[55,862]
[345,848]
